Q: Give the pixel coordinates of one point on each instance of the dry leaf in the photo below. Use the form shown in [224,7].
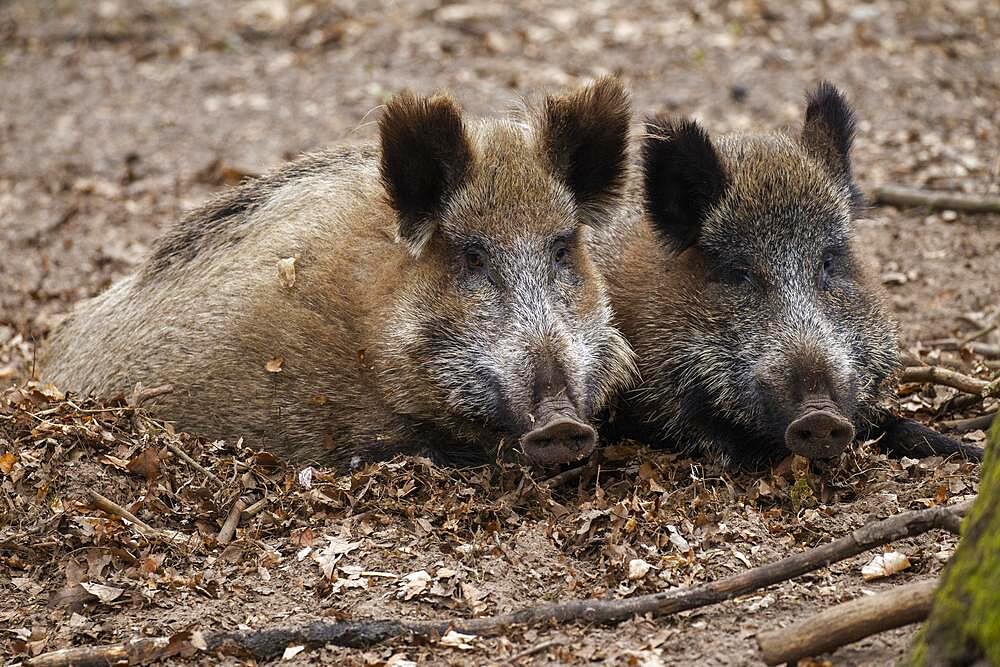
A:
[102,592]
[292,651]
[286,271]
[274,365]
[7,461]
[457,639]
[885,565]
[146,464]
[330,555]
[413,584]
[637,569]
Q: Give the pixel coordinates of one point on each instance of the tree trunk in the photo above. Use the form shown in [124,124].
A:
[964,625]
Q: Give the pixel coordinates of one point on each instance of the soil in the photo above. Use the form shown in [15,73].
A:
[118,116]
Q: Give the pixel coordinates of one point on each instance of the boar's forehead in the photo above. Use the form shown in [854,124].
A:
[779,202]
[511,193]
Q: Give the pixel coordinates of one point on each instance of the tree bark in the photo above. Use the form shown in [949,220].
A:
[964,625]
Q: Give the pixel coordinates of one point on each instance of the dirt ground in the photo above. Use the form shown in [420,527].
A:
[116,116]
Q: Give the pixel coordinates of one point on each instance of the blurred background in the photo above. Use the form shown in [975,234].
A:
[116,115]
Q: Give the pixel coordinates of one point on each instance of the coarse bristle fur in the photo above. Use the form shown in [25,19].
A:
[443,292]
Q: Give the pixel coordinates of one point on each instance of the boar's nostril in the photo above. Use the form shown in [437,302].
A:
[819,434]
[561,440]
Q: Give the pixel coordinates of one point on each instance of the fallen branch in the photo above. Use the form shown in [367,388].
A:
[962,425]
[943,376]
[140,526]
[952,201]
[847,623]
[267,644]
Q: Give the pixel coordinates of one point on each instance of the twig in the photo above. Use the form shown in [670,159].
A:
[972,424]
[255,509]
[267,644]
[985,350]
[194,464]
[943,376]
[140,394]
[554,482]
[954,201]
[537,648]
[848,622]
[232,521]
[981,332]
[141,527]
[111,507]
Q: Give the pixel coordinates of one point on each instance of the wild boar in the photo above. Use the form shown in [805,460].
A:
[431,294]
[740,285]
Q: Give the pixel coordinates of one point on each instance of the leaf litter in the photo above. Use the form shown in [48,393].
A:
[403,537]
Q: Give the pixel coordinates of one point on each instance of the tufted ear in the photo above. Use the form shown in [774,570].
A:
[828,133]
[426,157]
[683,178]
[584,136]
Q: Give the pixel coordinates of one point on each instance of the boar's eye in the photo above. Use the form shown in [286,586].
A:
[737,276]
[828,268]
[475,260]
[560,254]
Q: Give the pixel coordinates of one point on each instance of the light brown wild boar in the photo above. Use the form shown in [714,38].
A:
[444,301]
[741,286]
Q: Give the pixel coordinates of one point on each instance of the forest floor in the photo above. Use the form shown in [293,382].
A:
[117,116]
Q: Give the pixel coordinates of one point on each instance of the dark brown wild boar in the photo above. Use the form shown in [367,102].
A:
[757,329]
[433,294]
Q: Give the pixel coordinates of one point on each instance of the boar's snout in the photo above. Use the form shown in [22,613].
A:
[559,439]
[819,431]
[559,435]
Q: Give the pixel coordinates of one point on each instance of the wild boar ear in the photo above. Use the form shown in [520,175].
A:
[828,133]
[584,136]
[683,178]
[426,156]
